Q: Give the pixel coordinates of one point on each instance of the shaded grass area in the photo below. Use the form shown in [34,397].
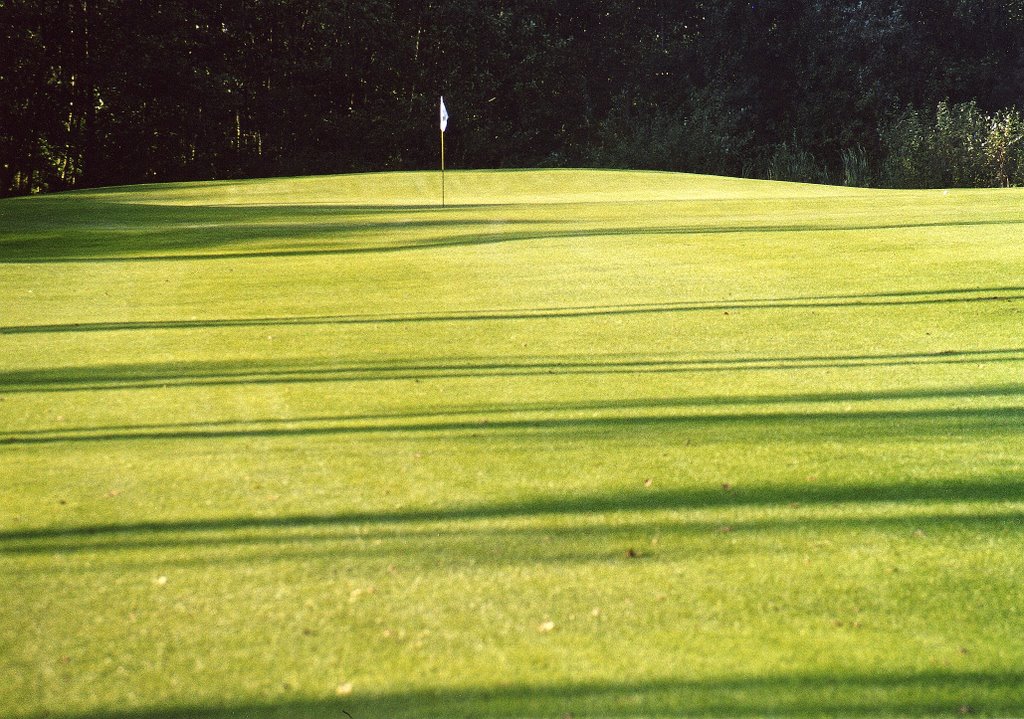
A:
[141,376]
[895,299]
[670,511]
[916,422]
[355,237]
[215,223]
[925,694]
[288,233]
[587,444]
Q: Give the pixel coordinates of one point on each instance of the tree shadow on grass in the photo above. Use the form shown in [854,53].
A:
[946,693]
[893,299]
[72,228]
[89,231]
[578,541]
[624,421]
[221,373]
[670,511]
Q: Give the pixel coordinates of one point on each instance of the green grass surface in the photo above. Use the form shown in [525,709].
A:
[600,444]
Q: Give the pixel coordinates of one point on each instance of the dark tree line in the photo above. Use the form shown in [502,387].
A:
[882,92]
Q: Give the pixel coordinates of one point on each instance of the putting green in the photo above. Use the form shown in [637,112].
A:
[585,443]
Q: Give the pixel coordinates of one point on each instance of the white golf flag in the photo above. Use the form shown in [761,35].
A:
[444,115]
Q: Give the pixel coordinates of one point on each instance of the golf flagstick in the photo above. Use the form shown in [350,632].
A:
[444,126]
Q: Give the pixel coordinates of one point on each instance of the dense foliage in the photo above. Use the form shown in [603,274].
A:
[884,92]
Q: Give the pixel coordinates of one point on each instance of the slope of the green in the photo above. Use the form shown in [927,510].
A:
[586,443]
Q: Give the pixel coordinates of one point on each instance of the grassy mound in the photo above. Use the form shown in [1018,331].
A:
[582,443]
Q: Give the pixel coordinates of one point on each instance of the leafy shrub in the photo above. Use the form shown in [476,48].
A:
[958,142]
[787,161]
[856,169]
[908,161]
[1004,148]
[638,137]
[708,138]
[960,146]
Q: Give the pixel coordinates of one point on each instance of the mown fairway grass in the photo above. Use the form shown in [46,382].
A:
[598,444]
